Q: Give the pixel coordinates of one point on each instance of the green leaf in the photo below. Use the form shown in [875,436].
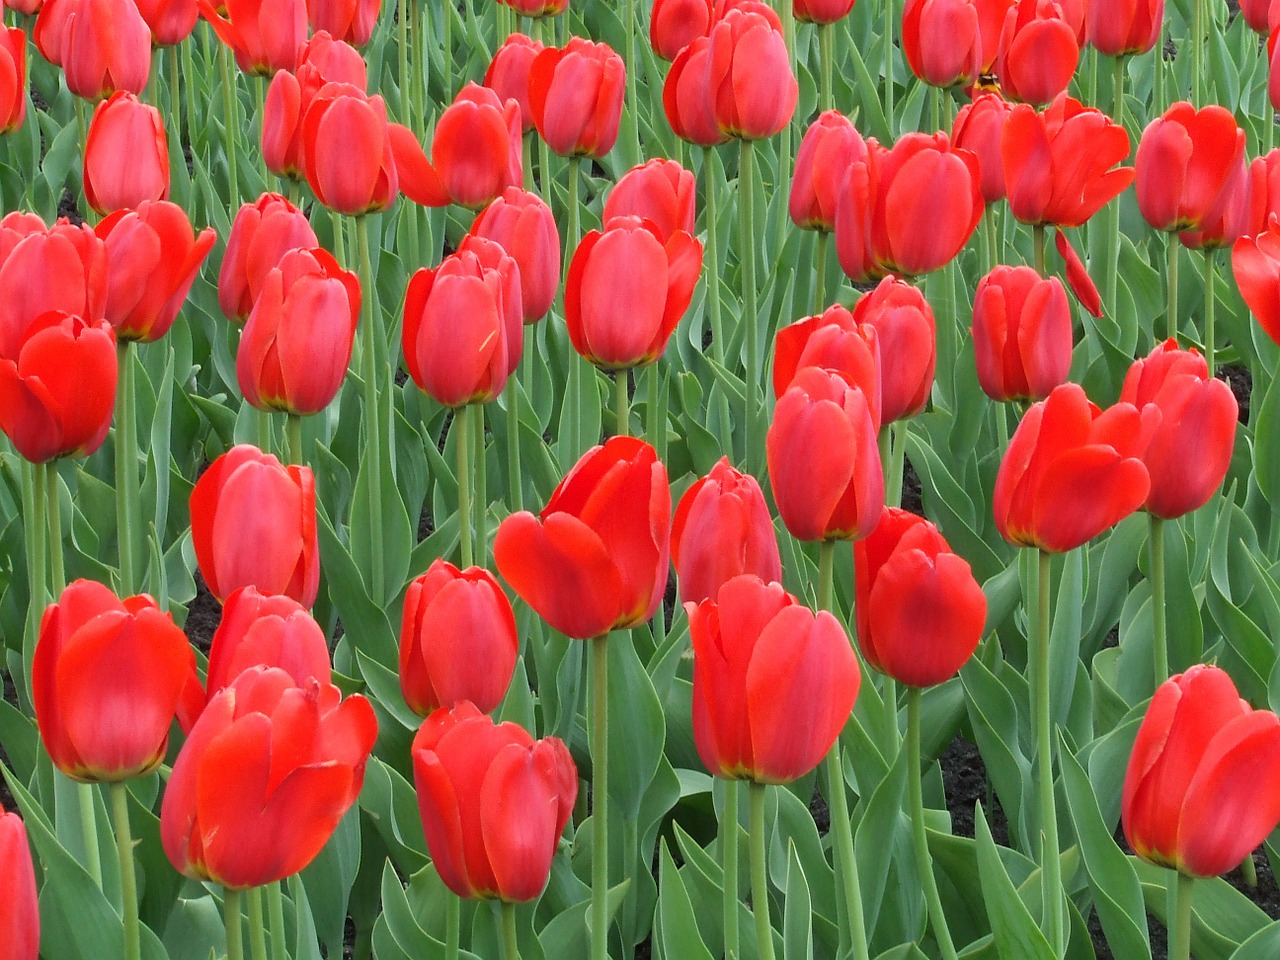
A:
[1263,945]
[1221,917]
[634,707]
[680,936]
[329,877]
[1016,934]
[797,922]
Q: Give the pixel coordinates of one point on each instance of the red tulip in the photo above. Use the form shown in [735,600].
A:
[537,8]
[722,529]
[773,683]
[1187,162]
[1058,163]
[830,147]
[576,96]
[686,96]
[1121,28]
[261,234]
[1256,14]
[27,7]
[253,523]
[979,128]
[821,11]
[346,151]
[126,155]
[1039,51]
[627,290]
[266,631]
[457,640]
[102,45]
[19,906]
[909,210]
[1202,788]
[297,342]
[1071,471]
[991,17]
[493,801]
[753,89]
[476,149]
[907,339]
[674,23]
[595,559]
[265,35]
[351,21]
[170,21]
[1021,334]
[260,785]
[1255,261]
[522,224]
[57,397]
[107,679]
[658,190]
[508,74]
[153,256]
[13,79]
[463,324]
[824,463]
[942,41]
[832,341]
[1190,450]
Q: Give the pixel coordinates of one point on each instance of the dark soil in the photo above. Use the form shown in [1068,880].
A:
[1240,380]
[7,803]
[203,617]
[964,776]
[911,496]
[67,207]
[820,811]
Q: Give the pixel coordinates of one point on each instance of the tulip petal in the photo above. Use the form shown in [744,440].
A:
[519,805]
[1086,491]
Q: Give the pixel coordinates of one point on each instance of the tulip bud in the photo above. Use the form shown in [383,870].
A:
[19,904]
[170,21]
[13,65]
[658,190]
[261,234]
[830,147]
[906,336]
[266,631]
[522,224]
[1021,334]
[674,23]
[1128,27]
[1256,14]
[576,96]
[832,341]
[126,155]
[821,11]
[942,41]
[753,89]
[351,21]
[686,96]
[346,151]
[102,45]
[1189,162]
[265,35]
[476,149]
[538,8]
[1039,51]
[508,74]
[979,128]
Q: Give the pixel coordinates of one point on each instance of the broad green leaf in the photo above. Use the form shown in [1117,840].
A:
[1016,934]
[680,936]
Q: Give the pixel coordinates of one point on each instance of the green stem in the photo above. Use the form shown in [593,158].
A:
[452,927]
[175,96]
[37,542]
[515,479]
[231,126]
[128,878]
[447,37]
[846,864]
[578,373]
[1210,275]
[126,467]
[826,52]
[265,433]
[712,269]
[480,502]
[622,410]
[1051,862]
[1155,547]
[1117,91]
[373,425]
[545,30]
[259,85]
[189,71]
[759,877]
[1171,276]
[924,863]
[293,436]
[402,49]
[89,832]
[53,514]
[632,65]
[1180,933]
[275,910]
[1197,52]
[655,421]
[729,862]
[1157,88]
[750,311]
[507,931]
[1249,871]
[462,447]
[989,231]
[257,929]
[820,265]
[1037,233]
[600,798]
[888,20]
[231,917]
[1111,275]
[1268,125]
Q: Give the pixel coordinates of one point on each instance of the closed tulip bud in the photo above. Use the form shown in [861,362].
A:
[289,762]
[979,128]
[906,335]
[627,290]
[722,529]
[1190,451]
[266,631]
[351,21]
[58,395]
[1071,471]
[493,802]
[773,682]
[107,680]
[153,256]
[1126,27]
[19,905]
[576,96]
[346,151]
[595,558]
[463,325]
[942,41]
[1039,52]
[1243,212]
[1058,163]
[13,79]
[1188,162]
[1202,788]
[457,640]
[686,96]
[102,45]
[832,341]
[674,23]
[170,21]
[522,224]
[824,463]
[821,11]
[753,89]
[253,523]
[264,35]
[126,155]
[1257,15]
[296,345]
[909,210]
[1255,261]
[660,191]
[830,147]
[508,74]
[1021,334]
[261,234]
[538,8]
[476,149]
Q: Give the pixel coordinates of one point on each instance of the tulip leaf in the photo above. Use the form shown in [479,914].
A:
[392,804]
[994,718]
[1221,917]
[1263,945]
[797,925]
[63,154]
[1016,934]
[680,937]
[883,828]
[306,942]
[376,487]
[329,877]
[1064,641]
[1266,446]
[365,621]
[634,707]
[909,951]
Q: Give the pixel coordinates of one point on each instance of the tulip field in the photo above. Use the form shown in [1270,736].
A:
[680,479]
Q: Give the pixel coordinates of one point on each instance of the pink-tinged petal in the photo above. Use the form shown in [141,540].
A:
[1087,491]
[1164,154]
[1078,278]
[810,449]
[419,180]
[258,505]
[350,176]
[519,806]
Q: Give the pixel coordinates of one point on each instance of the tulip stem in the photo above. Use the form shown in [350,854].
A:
[924,863]
[1210,276]
[506,918]
[759,877]
[275,909]
[446,35]
[126,467]
[1159,641]
[1197,54]
[452,927]
[231,918]
[257,929]
[1268,124]
[1051,863]
[89,831]
[633,152]
[546,35]
[402,50]
[826,52]
[293,436]
[991,233]
[888,63]
[1037,233]
[462,447]
[175,96]
[33,526]
[713,262]
[373,426]
[232,122]
[750,311]
[53,507]
[480,502]
[600,798]
[189,71]
[1180,933]
[128,878]
[729,862]
[622,410]
[1110,278]
[820,265]
[515,481]
[1172,277]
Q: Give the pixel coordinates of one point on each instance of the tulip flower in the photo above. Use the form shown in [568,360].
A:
[153,257]
[102,45]
[832,341]
[19,906]
[979,128]
[1256,15]
[822,11]
[27,7]
[346,151]
[126,155]
[107,679]
[830,147]
[1190,451]
[257,630]
[522,224]
[908,210]
[253,523]
[464,324]
[1126,27]
[658,190]
[626,291]
[686,96]
[942,41]
[576,95]
[268,771]
[1071,471]
[538,8]
[1255,261]
[57,397]
[595,558]
[920,611]
[1039,51]
[170,21]
[493,802]
[906,336]
[13,79]
[722,529]
[1188,161]
[476,149]
[753,89]
[1246,208]
[673,24]
[351,21]
[264,35]
[824,463]
[261,234]
[297,342]
[508,74]
[773,683]
[1202,788]
[457,640]
[1021,334]
[1058,163]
